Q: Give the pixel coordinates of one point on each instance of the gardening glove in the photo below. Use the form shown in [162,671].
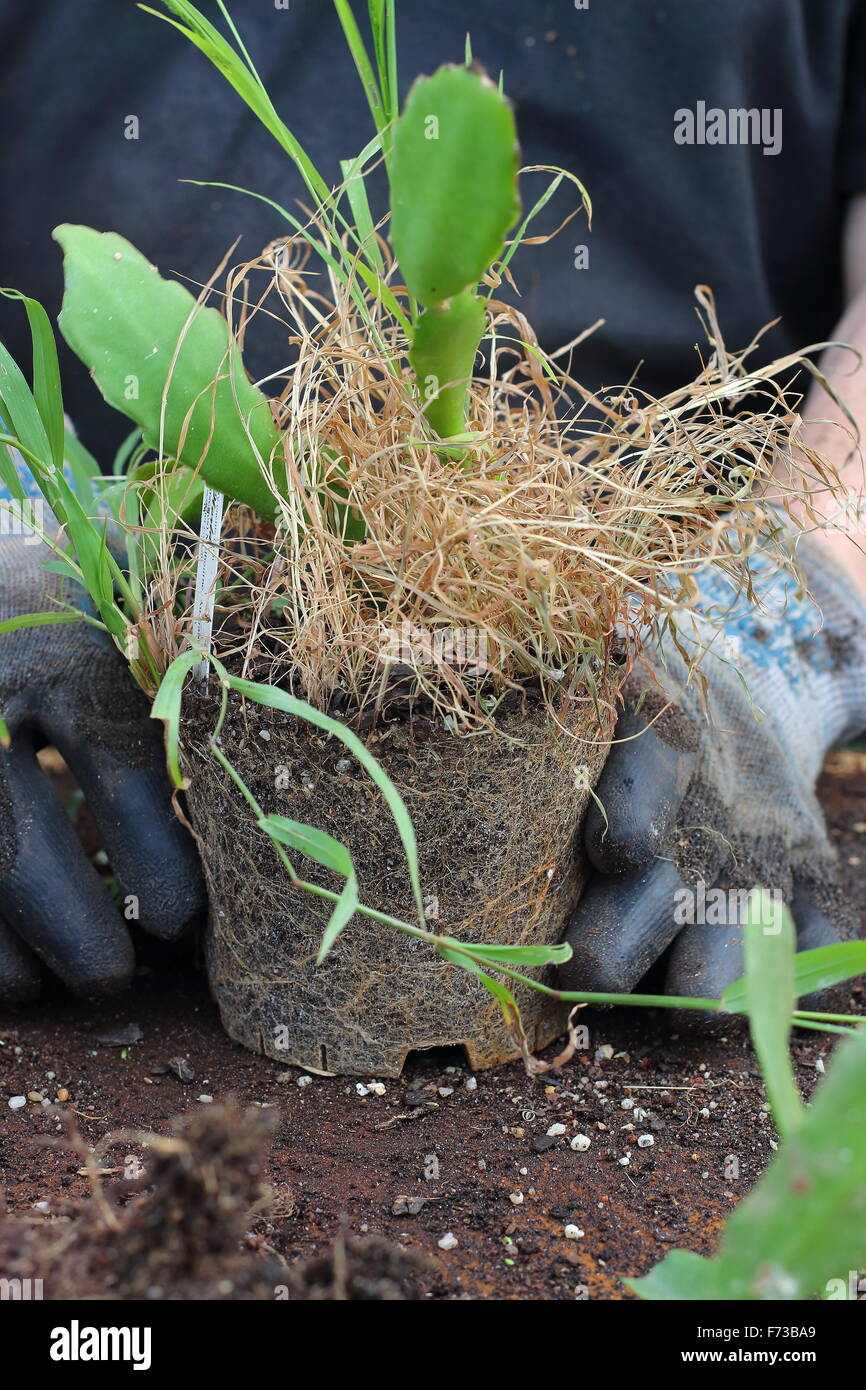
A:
[719,794]
[67,685]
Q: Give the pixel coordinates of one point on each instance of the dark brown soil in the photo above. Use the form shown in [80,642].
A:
[387,1176]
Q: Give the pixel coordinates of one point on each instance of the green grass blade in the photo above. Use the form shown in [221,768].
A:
[83,467]
[20,410]
[25,620]
[246,82]
[274,698]
[332,854]
[362,63]
[384,29]
[537,207]
[46,374]
[315,844]
[342,914]
[167,707]
[769,941]
[554,954]
[504,998]
[814,970]
[356,192]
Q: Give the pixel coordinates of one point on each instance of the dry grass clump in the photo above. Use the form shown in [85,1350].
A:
[562,530]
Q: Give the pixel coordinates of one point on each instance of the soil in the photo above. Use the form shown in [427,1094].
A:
[329,1188]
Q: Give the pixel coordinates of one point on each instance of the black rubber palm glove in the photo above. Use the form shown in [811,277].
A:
[68,686]
[711,801]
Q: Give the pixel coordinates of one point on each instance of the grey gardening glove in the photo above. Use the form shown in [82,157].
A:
[723,797]
[67,686]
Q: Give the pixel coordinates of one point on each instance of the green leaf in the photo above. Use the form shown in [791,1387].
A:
[443,351]
[274,698]
[167,707]
[813,971]
[315,844]
[554,954]
[828,965]
[453,176]
[168,363]
[681,1275]
[769,941]
[24,620]
[46,375]
[504,998]
[82,466]
[362,62]
[325,850]
[344,910]
[805,1221]
[19,410]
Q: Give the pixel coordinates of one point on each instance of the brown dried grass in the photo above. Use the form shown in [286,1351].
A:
[565,535]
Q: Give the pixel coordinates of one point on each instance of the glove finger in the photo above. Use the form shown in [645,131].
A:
[705,958]
[20,978]
[152,854]
[52,896]
[708,956]
[620,927]
[814,928]
[641,788]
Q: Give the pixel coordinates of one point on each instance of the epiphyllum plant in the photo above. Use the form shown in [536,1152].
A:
[452,160]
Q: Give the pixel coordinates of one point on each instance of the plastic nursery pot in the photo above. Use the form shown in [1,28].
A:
[497,818]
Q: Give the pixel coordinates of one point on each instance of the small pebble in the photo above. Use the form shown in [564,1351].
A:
[516,1199]
[471,1083]
[580,1143]
[542,1142]
[645,1141]
[573,1233]
[263,734]
[16,1102]
[361,1088]
[819,1064]
[555,1131]
[42,1206]
[376,1088]
[36,1096]
[62,1094]
[305,1081]
[206,1100]
[448,1242]
[627,1104]
[446,1091]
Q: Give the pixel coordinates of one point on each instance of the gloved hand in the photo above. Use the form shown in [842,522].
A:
[68,686]
[723,796]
